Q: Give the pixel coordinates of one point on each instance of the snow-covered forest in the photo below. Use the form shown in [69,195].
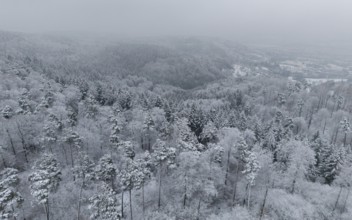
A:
[184,128]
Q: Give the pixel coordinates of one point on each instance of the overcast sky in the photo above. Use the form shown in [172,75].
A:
[253,20]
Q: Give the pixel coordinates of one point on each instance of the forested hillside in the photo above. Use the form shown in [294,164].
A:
[164,130]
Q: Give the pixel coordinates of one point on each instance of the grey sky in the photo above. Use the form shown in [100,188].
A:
[252,20]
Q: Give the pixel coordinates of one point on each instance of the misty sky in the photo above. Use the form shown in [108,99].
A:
[245,20]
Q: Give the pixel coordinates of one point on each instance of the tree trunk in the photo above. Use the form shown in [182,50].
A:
[228,166]
[159,194]
[244,199]
[11,142]
[65,154]
[293,185]
[263,206]
[332,111]
[131,210]
[337,133]
[345,202]
[310,119]
[3,161]
[71,152]
[249,195]
[344,140]
[185,193]
[235,187]
[143,205]
[46,208]
[122,215]
[13,210]
[24,145]
[79,201]
[198,209]
[324,127]
[337,200]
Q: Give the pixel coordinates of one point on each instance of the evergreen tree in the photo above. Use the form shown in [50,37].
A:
[162,155]
[144,173]
[251,168]
[148,127]
[196,120]
[331,158]
[115,133]
[10,198]
[91,106]
[125,100]
[73,139]
[83,171]
[105,170]
[218,152]
[209,133]
[44,180]
[346,128]
[128,149]
[104,204]
[130,177]
[186,140]
[72,114]
[7,112]
[23,102]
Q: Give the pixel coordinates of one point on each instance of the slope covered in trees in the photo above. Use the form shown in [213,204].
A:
[124,146]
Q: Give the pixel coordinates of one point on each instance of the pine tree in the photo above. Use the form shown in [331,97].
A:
[196,120]
[91,106]
[144,172]
[251,168]
[99,96]
[104,204]
[83,170]
[10,198]
[7,112]
[340,102]
[50,99]
[83,88]
[300,105]
[73,139]
[128,149]
[346,128]
[331,158]
[186,140]
[148,127]
[106,170]
[218,152]
[51,131]
[72,114]
[162,155]
[23,102]
[168,112]
[44,180]
[209,133]
[115,133]
[56,123]
[281,100]
[125,100]
[129,177]
[158,102]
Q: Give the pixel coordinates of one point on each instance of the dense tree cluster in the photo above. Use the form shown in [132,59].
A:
[242,148]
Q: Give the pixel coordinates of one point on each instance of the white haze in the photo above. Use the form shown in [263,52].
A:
[291,21]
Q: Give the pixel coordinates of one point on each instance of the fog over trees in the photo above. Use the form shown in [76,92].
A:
[165,110]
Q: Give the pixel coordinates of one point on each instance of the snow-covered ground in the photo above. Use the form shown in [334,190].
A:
[314,81]
[239,70]
[293,66]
